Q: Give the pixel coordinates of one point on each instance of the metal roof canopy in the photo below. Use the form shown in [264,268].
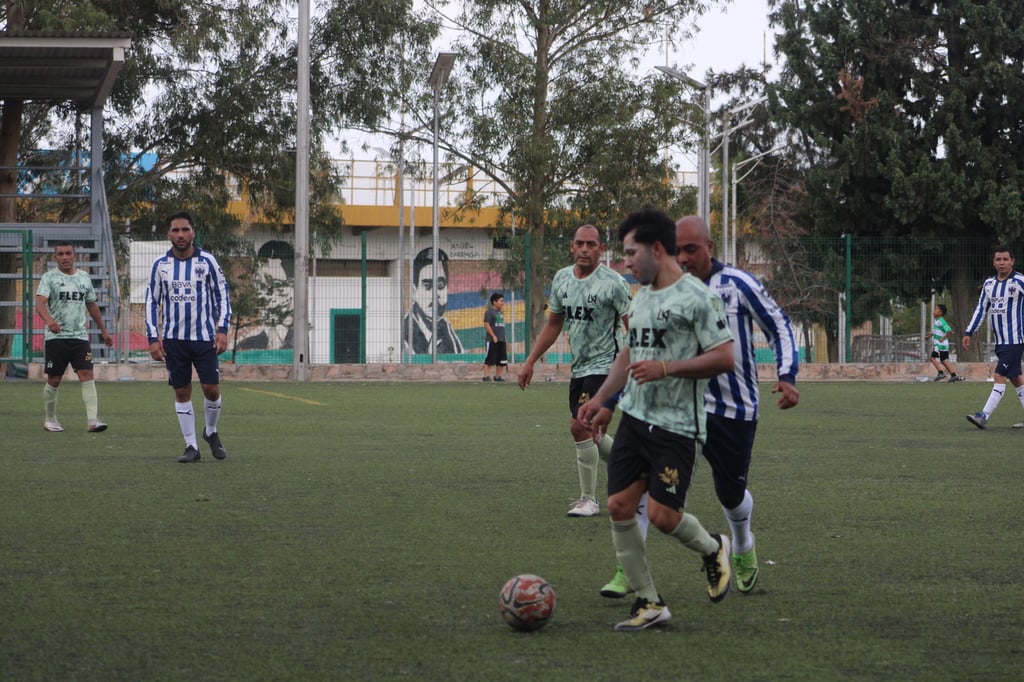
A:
[75,67]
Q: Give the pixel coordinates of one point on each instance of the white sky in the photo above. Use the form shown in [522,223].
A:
[728,38]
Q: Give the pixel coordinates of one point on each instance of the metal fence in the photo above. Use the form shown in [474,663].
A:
[863,300]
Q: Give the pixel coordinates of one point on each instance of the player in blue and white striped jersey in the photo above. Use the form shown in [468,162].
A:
[1002,299]
[731,398]
[187,316]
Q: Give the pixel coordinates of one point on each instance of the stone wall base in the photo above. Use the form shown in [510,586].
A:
[473,372]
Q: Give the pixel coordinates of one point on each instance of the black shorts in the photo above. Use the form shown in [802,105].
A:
[643,451]
[181,356]
[582,389]
[497,354]
[941,354]
[62,352]
[728,449]
[1009,357]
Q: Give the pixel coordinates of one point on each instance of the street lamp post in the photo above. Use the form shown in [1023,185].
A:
[735,181]
[729,240]
[703,175]
[300,316]
[438,77]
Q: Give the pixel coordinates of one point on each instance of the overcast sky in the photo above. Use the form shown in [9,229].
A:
[727,38]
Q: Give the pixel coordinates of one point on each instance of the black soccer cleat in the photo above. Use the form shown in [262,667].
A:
[191,455]
[215,445]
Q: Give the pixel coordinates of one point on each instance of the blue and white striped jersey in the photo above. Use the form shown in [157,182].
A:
[187,299]
[734,394]
[1003,302]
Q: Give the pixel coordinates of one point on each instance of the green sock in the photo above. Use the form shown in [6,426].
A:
[89,398]
[50,401]
[632,555]
[587,457]
[604,447]
[694,536]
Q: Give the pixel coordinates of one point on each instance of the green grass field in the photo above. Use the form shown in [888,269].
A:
[362,532]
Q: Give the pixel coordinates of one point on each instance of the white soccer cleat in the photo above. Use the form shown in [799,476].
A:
[95,426]
[52,425]
[584,507]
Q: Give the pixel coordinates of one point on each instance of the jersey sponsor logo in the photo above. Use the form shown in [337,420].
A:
[647,337]
[70,295]
[580,312]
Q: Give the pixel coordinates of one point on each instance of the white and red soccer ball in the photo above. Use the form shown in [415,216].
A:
[527,602]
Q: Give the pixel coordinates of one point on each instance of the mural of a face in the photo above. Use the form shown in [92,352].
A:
[424,292]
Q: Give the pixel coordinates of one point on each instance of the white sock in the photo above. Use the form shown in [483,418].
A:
[641,516]
[587,457]
[187,422]
[739,522]
[211,410]
[993,399]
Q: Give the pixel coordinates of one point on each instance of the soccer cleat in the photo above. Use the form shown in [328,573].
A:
[95,426]
[1018,425]
[191,455]
[618,587]
[716,567]
[645,614]
[215,445]
[955,377]
[584,507]
[940,376]
[52,425]
[487,379]
[978,419]
[499,378]
[744,567]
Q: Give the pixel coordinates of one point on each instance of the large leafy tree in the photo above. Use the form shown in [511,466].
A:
[911,117]
[205,104]
[547,99]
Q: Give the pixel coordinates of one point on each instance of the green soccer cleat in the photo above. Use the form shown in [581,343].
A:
[618,587]
[744,567]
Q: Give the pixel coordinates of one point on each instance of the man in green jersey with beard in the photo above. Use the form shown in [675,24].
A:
[678,338]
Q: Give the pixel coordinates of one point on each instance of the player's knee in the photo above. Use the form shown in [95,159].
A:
[579,431]
[621,509]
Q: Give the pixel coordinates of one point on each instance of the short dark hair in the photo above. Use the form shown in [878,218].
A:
[1003,248]
[649,225]
[941,307]
[63,242]
[425,258]
[181,215]
[496,296]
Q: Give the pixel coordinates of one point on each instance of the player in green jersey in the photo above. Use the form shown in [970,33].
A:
[64,297]
[591,300]
[678,338]
[941,331]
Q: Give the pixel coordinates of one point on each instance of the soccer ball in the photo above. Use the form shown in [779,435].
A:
[527,602]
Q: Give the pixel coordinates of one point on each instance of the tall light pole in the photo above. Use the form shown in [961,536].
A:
[730,240]
[300,315]
[703,175]
[438,77]
[755,159]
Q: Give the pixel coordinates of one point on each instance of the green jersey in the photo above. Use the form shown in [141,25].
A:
[940,332]
[593,308]
[66,296]
[678,322]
